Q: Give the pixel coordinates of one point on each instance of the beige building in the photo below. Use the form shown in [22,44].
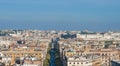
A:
[21,53]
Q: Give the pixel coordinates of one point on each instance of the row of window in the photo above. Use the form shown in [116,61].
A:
[107,54]
[21,54]
[79,63]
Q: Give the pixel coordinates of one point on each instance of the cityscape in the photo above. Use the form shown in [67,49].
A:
[59,32]
[59,48]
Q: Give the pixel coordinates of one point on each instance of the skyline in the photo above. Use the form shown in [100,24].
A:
[60,15]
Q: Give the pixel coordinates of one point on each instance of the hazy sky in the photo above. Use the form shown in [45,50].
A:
[95,15]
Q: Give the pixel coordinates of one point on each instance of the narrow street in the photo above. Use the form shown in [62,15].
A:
[52,57]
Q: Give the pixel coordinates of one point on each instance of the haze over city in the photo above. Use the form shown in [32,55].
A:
[93,15]
[59,33]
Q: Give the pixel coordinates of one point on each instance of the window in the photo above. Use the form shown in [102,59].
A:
[105,60]
[22,54]
[17,53]
[10,53]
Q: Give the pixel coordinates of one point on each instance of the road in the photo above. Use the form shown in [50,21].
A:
[52,57]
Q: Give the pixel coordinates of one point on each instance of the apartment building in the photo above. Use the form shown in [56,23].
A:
[84,60]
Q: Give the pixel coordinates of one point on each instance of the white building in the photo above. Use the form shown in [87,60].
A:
[90,36]
[86,60]
[79,62]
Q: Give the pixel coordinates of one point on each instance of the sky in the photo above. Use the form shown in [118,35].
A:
[94,15]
